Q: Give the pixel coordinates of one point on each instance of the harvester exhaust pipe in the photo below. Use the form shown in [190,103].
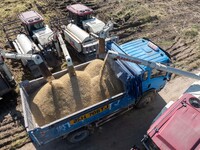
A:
[101,49]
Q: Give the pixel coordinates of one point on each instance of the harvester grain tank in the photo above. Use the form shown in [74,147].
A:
[34,37]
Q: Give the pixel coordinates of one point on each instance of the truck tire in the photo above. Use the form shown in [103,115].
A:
[78,135]
[146,99]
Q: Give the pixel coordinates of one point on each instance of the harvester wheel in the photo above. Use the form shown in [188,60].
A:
[78,135]
[146,99]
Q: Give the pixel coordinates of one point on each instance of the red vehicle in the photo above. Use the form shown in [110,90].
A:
[177,127]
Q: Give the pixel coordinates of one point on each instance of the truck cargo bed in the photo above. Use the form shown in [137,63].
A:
[79,119]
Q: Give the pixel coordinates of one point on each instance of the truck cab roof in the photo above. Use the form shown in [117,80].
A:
[178,127]
[143,49]
[80,9]
[146,50]
[30,17]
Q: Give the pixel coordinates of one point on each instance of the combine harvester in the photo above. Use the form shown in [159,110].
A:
[32,36]
[29,35]
[80,25]
[137,64]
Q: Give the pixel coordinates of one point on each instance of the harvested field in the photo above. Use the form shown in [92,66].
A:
[173,24]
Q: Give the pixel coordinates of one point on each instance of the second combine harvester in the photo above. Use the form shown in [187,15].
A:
[81,23]
[32,36]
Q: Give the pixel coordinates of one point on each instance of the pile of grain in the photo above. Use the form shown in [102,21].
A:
[94,68]
[66,95]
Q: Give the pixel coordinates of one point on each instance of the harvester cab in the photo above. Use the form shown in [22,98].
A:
[33,24]
[31,21]
[82,16]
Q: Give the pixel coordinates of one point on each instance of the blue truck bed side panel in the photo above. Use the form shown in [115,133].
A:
[66,125]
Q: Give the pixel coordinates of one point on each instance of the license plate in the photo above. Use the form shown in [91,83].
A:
[90,114]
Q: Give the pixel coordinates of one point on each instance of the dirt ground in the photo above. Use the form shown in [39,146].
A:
[173,25]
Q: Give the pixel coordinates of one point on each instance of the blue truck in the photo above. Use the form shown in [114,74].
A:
[139,82]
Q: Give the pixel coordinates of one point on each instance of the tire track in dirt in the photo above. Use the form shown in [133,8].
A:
[6,127]
[60,5]
[184,53]
[5,130]
[13,134]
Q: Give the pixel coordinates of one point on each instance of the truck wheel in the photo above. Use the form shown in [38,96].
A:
[146,99]
[78,136]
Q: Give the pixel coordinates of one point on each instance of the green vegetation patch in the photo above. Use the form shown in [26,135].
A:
[192,32]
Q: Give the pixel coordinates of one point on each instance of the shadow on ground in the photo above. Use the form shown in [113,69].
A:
[7,104]
[13,134]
